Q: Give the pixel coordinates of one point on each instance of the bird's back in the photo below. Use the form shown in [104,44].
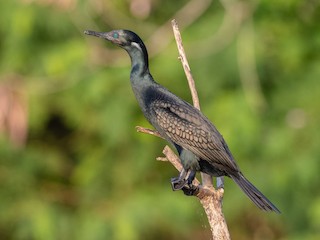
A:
[184,125]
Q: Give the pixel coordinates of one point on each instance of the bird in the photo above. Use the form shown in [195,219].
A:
[200,146]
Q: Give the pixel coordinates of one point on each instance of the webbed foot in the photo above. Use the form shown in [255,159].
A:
[177,183]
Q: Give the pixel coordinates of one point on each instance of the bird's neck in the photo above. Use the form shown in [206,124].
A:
[140,76]
[139,64]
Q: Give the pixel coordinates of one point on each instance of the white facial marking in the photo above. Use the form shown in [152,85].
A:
[136,45]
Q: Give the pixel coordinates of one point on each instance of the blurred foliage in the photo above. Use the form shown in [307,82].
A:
[71,163]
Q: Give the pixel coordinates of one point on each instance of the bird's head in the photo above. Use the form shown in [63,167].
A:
[127,40]
[123,38]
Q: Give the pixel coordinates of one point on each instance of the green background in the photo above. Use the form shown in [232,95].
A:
[72,165]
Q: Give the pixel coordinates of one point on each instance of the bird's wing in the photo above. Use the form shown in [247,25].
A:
[187,127]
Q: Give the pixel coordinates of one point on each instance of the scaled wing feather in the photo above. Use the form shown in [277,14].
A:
[188,128]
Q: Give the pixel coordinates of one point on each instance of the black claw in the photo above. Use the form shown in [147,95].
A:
[190,190]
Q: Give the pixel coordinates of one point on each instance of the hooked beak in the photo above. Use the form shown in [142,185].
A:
[97,34]
[105,35]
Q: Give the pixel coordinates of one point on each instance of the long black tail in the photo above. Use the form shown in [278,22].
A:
[254,194]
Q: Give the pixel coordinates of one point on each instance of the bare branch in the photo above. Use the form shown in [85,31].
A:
[206,179]
[185,64]
[188,14]
[148,131]
[210,199]
[212,205]
[172,158]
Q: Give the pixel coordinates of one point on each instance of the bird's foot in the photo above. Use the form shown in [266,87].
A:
[184,183]
[190,190]
[177,183]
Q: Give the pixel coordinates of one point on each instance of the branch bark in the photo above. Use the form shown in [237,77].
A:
[209,197]
[206,179]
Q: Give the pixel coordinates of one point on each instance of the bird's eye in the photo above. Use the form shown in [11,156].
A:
[115,35]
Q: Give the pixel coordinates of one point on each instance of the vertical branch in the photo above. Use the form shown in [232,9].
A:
[210,198]
[206,179]
[185,64]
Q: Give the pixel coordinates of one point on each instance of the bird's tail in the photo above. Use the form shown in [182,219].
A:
[254,194]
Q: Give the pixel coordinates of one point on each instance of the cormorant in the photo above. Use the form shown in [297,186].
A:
[199,144]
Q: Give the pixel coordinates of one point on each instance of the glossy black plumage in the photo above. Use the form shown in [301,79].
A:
[199,144]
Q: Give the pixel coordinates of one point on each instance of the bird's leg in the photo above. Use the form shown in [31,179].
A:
[220,182]
[178,183]
[191,177]
[190,189]
[184,181]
